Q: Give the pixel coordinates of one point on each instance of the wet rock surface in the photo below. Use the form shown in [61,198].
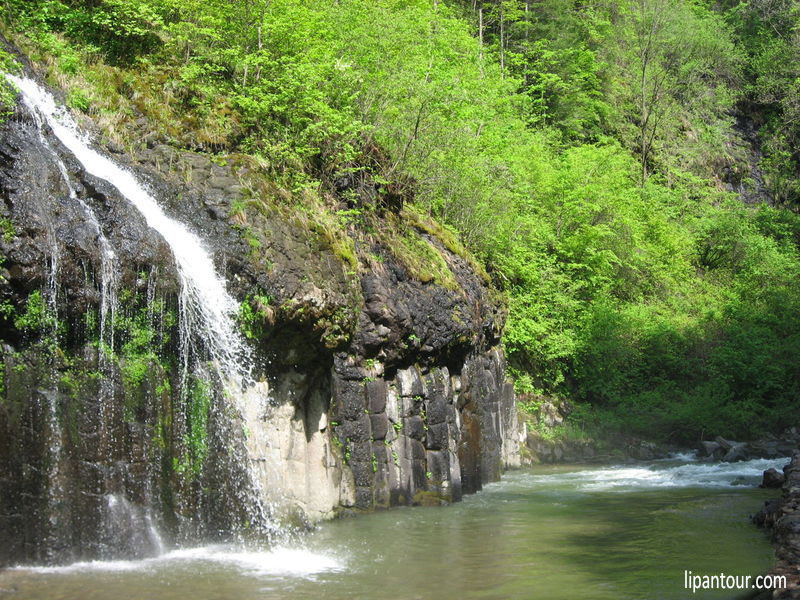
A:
[772,479]
[769,447]
[782,516]
[385,390]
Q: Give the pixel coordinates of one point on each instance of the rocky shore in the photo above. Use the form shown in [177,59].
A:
[782,516]
[548,438]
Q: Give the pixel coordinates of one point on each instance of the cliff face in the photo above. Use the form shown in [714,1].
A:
[386,386]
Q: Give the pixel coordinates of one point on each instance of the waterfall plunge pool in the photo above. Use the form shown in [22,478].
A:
[550,533]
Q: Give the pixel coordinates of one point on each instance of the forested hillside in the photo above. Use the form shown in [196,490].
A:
[626,171]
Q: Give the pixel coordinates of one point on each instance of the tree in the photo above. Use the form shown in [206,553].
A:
[675,66]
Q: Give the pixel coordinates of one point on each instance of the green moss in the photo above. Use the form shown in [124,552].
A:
[37,316]
[69,384]
[429,498]
[143,349]
[423,260]
[197,438]
[6,226]
[255,315]
[447,236]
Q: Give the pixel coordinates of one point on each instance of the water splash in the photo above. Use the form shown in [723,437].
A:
[129,528]
[625,478]
[280,561]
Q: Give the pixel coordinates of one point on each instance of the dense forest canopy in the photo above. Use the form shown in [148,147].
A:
[625,170]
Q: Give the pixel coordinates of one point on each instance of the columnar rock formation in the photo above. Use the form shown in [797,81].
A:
[384,389]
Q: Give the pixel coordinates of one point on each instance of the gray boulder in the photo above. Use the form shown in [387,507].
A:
[724,444]
[772,479]
[711,449]
[737,452]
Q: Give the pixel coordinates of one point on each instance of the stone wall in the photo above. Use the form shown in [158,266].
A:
[418,435]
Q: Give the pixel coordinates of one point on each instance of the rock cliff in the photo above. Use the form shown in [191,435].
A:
[386,384]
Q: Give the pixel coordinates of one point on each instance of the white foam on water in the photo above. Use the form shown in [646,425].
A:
[693,474]
[286,562]
[296,562]
[684,456]
[85,567]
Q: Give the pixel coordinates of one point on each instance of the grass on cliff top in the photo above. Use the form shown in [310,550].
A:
[116,99]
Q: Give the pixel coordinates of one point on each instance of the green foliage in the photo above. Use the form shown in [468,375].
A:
[199,405]
[77,99]
[8,95]
[576,148]
[254,315]
[768,34]
[37,317]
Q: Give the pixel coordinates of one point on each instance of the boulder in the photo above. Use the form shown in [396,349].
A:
[710,449]
[724,444]
[644,450]
[549,415]
[737,452]
[766,449]
[772,479]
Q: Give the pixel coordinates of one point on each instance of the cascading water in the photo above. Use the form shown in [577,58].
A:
[108,302]
[107,256]
[207,304]
[206,308]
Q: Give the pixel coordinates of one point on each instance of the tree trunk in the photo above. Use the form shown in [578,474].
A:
[480,30]
[502,45]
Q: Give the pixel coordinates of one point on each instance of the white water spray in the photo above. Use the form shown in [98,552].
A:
[207,304]
[659,474]
[107,257]
[206,308]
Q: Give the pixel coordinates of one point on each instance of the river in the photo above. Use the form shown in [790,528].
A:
[550,533]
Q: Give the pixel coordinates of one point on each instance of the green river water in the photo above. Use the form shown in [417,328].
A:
[549,533]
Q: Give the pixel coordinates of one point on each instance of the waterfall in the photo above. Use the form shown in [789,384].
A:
[207,311]
[108,302]
[207,304]
[107,256]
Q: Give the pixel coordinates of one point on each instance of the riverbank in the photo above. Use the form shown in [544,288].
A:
[782,516]
[556,433]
